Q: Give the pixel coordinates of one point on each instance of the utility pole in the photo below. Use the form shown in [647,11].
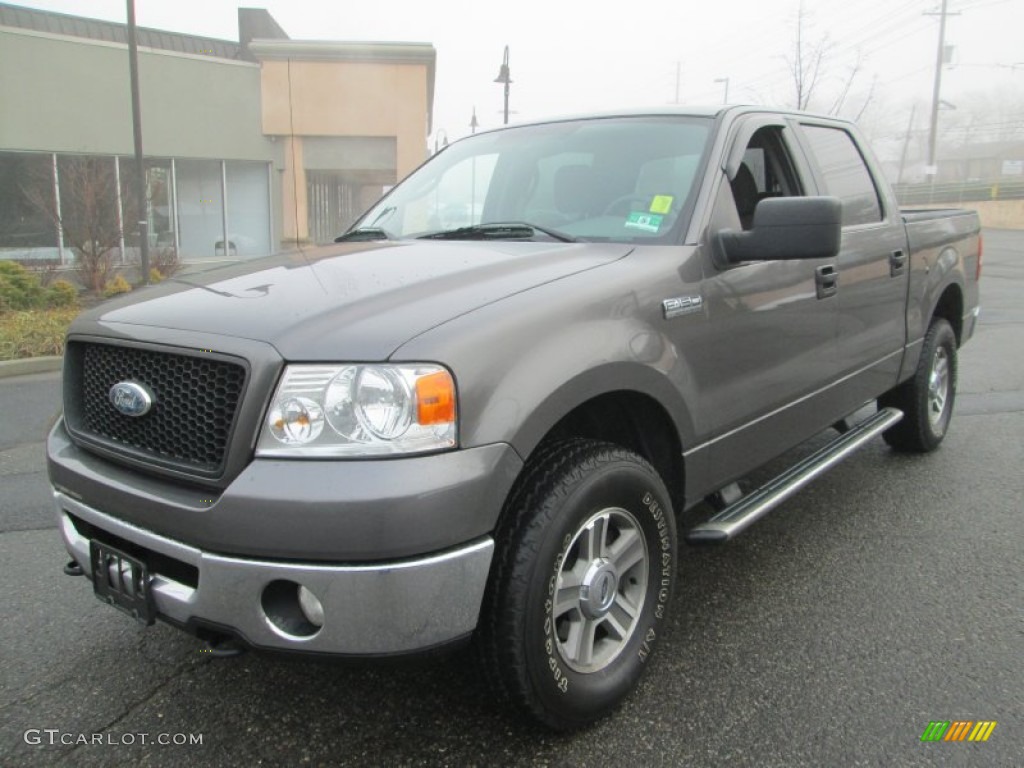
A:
[140,168]
[906,144]
[932,169]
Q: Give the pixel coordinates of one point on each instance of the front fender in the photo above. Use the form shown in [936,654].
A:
[521,365]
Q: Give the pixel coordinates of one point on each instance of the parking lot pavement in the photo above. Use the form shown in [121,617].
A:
[886,595]
[28,405]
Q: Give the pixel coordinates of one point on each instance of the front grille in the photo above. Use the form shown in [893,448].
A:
[195,401]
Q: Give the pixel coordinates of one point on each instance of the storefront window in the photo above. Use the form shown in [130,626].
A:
[248,209]
[89,215]
[27,230]
[200,209]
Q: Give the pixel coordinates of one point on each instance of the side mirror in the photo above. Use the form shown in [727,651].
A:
[787,228]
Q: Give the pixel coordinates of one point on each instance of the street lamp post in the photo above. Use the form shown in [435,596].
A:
[438,145]
[140,166]
[505,77]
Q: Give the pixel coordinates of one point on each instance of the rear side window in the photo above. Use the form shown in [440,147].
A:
[845,174]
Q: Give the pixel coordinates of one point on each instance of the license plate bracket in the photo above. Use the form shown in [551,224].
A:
[122,581]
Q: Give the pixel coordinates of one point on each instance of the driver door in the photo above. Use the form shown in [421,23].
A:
[769,354]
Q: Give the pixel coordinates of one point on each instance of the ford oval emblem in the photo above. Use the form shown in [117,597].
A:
[131,398]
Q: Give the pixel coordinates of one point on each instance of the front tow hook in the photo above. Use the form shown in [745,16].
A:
[223,648]
[73,569]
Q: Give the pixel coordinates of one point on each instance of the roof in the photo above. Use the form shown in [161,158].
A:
[262,39]
[671,110]
[677,110]
[115,32]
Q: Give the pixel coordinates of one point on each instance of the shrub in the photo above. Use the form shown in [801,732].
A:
[19,288]
[94,265]
[116,286]
[34,333]
[46,270]
[165,261]
[154,275]
[62,294]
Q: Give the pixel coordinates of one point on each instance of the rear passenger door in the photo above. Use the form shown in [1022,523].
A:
[873,263]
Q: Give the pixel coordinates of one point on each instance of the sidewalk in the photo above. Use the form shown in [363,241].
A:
[28,365]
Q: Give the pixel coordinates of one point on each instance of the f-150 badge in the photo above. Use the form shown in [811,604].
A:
[681,305]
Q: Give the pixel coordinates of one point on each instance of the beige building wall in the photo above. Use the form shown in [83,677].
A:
[294,207]
[343,90]
[999,214]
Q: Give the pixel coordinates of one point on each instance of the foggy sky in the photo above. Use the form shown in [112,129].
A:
[574,56]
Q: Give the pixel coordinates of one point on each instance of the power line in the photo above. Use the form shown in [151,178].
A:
[880,31]
[983,4]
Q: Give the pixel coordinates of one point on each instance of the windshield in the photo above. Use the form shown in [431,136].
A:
[608,179]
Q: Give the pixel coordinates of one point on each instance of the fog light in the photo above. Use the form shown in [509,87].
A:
[311,607]
[291,610]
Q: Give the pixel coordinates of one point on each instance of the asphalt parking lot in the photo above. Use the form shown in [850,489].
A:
[887,595]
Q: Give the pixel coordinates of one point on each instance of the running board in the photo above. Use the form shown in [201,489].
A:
[735,518]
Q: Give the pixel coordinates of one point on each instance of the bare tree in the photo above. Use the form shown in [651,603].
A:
[844,92]
[868,98]
[807,61]
[87,213]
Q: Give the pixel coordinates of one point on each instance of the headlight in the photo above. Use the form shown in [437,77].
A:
[360,410]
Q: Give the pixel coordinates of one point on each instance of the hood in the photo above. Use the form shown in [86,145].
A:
[352,301]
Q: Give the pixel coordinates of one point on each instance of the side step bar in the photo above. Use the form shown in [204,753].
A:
[735,518]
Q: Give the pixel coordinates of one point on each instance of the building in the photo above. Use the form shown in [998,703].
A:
[992,162]
[249,145]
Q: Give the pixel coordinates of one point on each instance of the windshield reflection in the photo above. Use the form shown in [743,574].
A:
[622,179]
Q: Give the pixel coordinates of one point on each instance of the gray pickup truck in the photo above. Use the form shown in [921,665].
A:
[479,415]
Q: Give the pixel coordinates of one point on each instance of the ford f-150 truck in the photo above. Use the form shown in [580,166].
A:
[480,413]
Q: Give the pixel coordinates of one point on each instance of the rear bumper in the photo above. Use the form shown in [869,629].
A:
[376,609]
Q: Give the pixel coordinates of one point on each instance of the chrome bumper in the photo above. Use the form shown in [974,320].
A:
[375,609]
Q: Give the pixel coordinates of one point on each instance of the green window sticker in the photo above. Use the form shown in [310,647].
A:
[661,203]
[648,222]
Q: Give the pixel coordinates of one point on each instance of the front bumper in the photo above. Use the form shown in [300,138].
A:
[375,609]
[327,511]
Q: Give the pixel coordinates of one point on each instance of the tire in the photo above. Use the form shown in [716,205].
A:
[584,514]
[927,398]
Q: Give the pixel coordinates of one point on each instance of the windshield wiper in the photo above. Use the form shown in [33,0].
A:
[498,230]
[364,234]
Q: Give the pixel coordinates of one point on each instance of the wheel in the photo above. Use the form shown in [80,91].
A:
[927,398]
[581,583]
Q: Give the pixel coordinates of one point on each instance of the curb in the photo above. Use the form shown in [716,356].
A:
[29,365]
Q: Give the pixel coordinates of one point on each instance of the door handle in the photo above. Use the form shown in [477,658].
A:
[827,280]
[897,263]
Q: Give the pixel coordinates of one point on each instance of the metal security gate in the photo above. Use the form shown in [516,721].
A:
[331,203]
